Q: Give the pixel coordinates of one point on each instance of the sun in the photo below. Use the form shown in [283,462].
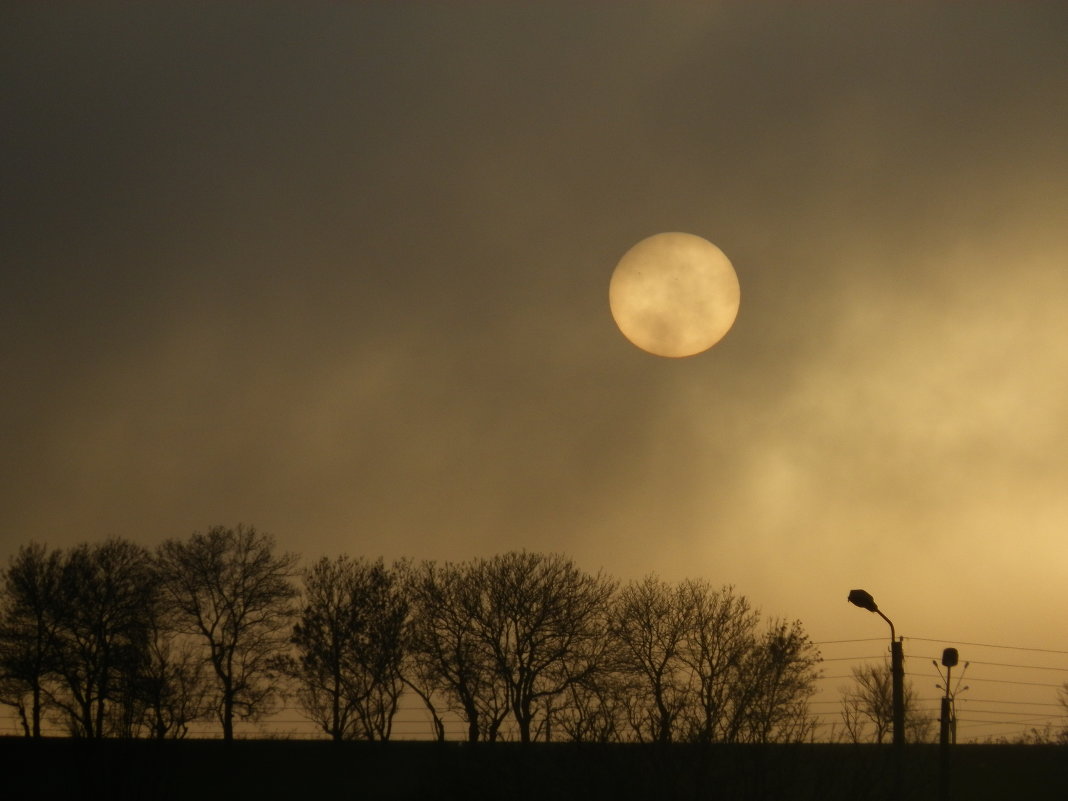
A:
[674,295]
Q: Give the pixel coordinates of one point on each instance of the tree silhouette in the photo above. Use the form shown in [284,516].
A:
[596,708]
[541,619]
[101,628]
[230,589]
[350,647]
[870,700]
[723,635]
[651,621]
[173,686]
[27,631]
[115,642]
[701,671]
[781,671]
[446,654]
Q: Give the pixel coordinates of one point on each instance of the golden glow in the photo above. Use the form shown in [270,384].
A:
[674,295]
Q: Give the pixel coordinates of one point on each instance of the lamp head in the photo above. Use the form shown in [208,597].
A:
[863,600]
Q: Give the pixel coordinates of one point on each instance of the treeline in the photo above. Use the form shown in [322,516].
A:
[115,640]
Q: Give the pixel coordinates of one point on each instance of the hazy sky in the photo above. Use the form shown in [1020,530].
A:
[340,271]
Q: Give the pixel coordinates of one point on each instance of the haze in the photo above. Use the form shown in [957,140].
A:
[340,272]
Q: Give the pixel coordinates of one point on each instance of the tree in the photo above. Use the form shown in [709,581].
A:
[871,700]
[100,633]
[701,670]
[597,708]
[229,588]
[350,647]
[446,655]
[542,620]
[173,686]
[382,652]
[717,649]
[780,678]
[1061,735]
[651,621]
[420,676]
[27,631]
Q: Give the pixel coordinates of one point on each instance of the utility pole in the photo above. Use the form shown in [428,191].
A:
[897,664]
[897,670]
[947,734]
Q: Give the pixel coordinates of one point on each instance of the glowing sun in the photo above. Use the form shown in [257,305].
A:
[674,294]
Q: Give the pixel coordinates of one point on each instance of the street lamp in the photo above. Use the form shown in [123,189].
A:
[897,663]
[948,719]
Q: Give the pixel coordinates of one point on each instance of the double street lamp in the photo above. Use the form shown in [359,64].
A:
[897,663]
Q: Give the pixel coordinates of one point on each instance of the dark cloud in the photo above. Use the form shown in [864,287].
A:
[342,273]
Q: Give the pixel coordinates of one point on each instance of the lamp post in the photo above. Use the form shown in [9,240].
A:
[949,660]
[897,663]
[948,719]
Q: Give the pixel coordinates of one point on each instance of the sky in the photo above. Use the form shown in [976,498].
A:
[340,271]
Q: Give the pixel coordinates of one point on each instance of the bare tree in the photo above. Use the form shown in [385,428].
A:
[651,621]
[446,656]
[871,700]
[350,639]
[330,623]
[722,637]
[778,679]
[541,619]
[383,651]
[1061,732]
[27,631]
[173,685]
[100,632]
[702,671]
[420,677]
[596,709]
[124,644]
[230,589]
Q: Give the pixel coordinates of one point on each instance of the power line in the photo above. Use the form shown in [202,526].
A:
[1016,714]
[920,675]
[999,701]
[995,664]
[847,658]
[990,645]
[1026,667]
[1010,681]
[1010,723]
